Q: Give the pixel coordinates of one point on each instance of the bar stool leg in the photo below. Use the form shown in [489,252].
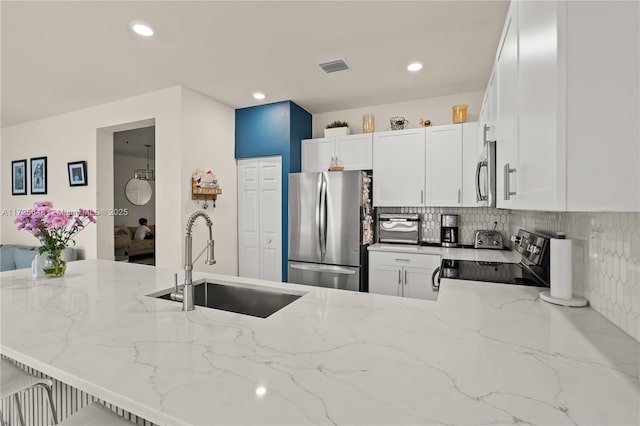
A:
[2,423]
[52,409]
[19,407]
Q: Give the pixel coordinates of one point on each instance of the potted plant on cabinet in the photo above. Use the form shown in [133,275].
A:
[337,128]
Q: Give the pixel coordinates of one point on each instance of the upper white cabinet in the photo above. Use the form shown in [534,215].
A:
[507,108]
[568,107]
[423,167]
[444,166]
[399,168]
[317,153]
[355,152]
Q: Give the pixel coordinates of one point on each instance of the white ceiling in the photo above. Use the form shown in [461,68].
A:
[63,56]
[132,142]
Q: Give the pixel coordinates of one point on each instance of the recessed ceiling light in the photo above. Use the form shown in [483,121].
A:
[415,66]
[141,28]
[259,96]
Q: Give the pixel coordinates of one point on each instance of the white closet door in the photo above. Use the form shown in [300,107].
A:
[270,218]
[248,218]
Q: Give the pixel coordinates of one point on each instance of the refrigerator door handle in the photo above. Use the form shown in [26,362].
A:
[323,268]
[319,211]
[323,217]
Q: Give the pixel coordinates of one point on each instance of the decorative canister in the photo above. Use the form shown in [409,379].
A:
[368,123]
[459,113]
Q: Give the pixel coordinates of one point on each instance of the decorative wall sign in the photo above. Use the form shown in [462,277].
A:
[77,173]
[39,175]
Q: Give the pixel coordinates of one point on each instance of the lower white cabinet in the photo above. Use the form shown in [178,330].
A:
[402,274]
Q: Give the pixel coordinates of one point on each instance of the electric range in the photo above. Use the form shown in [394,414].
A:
[532,270]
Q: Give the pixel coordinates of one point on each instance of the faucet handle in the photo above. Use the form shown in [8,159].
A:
[175,282]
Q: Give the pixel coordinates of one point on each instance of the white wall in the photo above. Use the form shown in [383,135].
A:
[208,137]
[437,109]
[208,142]
[123,168]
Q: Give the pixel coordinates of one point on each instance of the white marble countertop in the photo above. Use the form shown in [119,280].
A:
[482,255]
[483,353]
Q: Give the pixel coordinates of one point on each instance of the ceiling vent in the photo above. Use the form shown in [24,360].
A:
[334,66]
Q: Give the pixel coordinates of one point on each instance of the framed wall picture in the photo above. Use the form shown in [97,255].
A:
[77,173]
[39,175]
[19,177]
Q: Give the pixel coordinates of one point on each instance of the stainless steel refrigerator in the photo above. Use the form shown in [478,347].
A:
[329,228]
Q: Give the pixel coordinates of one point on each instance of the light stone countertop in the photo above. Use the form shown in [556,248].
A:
[481,255]
[482,354]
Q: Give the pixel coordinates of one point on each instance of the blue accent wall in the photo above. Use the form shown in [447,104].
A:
[274,129]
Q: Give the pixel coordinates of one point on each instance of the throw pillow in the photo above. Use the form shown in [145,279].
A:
[24,257]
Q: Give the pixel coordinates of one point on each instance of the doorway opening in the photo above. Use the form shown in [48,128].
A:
[134,201]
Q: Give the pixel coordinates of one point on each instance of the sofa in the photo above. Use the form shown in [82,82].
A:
[13,256]
[125,245]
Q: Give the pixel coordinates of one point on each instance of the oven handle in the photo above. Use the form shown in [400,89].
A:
[435,286]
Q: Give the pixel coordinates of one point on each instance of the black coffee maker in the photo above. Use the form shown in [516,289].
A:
[449,230]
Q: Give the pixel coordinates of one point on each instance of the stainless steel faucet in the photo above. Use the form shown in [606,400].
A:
[186,293]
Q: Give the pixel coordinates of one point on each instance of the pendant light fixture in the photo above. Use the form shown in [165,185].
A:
[145,174]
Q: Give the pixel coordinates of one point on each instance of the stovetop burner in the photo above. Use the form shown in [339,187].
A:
[496,272]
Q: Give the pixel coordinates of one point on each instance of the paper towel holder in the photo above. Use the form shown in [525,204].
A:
[564,248]
[574,302]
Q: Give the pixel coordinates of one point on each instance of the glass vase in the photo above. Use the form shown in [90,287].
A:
[55,264]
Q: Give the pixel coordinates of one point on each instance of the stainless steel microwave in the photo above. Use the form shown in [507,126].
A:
[486,175]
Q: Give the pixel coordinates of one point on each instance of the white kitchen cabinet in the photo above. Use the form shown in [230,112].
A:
[444,166]
[317,153]
[355,152]
[260,218]
[507,104]
[566,141]
[402,274]
[399,168]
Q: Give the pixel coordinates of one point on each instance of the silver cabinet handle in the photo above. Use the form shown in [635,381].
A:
[399,276]
[507,182]
[399,289]
[459,196]
[405,277]
[402,260]
[422,196]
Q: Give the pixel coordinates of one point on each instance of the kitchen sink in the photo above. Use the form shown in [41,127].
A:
[241,299]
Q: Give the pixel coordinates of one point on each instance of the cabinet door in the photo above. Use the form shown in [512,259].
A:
[385,279]
[417,283]
[539,177]
[470,134]
[270,218]
[355,151]
[399,164]
[507,86]
[444,166]
[317,153]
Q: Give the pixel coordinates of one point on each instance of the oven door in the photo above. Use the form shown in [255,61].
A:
[486,176]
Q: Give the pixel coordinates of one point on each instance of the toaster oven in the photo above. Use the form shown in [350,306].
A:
[399,228]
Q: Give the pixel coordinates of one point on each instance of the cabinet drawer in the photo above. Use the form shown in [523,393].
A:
[404,259]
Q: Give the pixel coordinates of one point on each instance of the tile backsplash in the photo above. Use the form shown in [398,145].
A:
[471,220]
[606,250]
[606,259]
